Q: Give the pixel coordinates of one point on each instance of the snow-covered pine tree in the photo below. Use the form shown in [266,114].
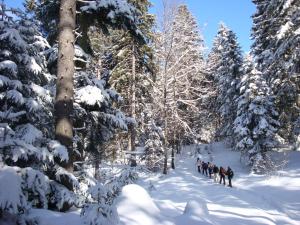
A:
[153,147]
[256,120]
[102,117]
[30,175]
[276,34]
[228,73]
[83,14]
[132,71]
[209,107]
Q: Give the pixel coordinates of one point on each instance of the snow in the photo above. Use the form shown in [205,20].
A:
[284,29]
[28,133]
[135,199]
[12,83]
[13,37]
[10,66]
[15,96]
[61,172]
[120,6]
[33,66]
[185,197]
[59,150]
[89,95]
[11,196]
[41,92]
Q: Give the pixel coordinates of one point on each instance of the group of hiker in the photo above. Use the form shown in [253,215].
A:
[219,174]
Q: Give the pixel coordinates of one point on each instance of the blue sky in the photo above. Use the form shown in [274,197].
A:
[236,14]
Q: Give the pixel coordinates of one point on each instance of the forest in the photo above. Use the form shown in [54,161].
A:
[87,85]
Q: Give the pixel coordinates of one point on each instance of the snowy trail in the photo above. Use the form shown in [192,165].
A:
[253,200]
[243,204]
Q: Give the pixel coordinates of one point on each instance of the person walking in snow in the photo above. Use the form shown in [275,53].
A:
[198,164]
[210,169]
[204,168]
[215,171]
[229,175]
[222,174]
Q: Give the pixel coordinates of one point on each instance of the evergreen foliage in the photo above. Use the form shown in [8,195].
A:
[256,123]
[228,58]
[28,156]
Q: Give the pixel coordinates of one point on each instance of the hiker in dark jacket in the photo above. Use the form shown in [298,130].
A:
[210,169]
[229,175]
[216,171]
[222,174]
[202,167]
[205,167]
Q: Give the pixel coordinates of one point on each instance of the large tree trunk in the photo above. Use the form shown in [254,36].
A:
[64,83]
[133,107]
[173,157]
[165,142]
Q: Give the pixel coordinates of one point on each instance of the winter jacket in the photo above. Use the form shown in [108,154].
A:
[216,169]
[230,173]
[222,172]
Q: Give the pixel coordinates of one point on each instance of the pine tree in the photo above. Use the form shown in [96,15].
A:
[276,51]
[91,13]
[131,71]
[29,157]
[256,120]
[228,72]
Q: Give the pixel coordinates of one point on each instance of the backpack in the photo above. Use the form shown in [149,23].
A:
[231,174]
[216,169]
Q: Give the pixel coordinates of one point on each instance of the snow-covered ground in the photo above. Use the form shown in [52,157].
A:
[253,200]
[185,197]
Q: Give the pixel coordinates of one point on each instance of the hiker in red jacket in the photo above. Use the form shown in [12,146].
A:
[222,174]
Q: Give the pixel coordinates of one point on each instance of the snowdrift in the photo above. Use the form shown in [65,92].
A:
[135,207]
[195,213]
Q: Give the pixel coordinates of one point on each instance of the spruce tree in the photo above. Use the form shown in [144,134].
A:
[228,73]
[256,120]
[89,13]
[131,70]
[276,51]
[29,157]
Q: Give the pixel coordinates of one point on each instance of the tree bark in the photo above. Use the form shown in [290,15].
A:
[64,83]
[133,106]
[173,157]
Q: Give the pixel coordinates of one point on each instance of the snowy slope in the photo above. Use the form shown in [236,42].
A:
[184,197]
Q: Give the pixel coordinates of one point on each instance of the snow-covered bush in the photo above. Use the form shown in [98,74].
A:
[100,209]
[100,214]
[153,153]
